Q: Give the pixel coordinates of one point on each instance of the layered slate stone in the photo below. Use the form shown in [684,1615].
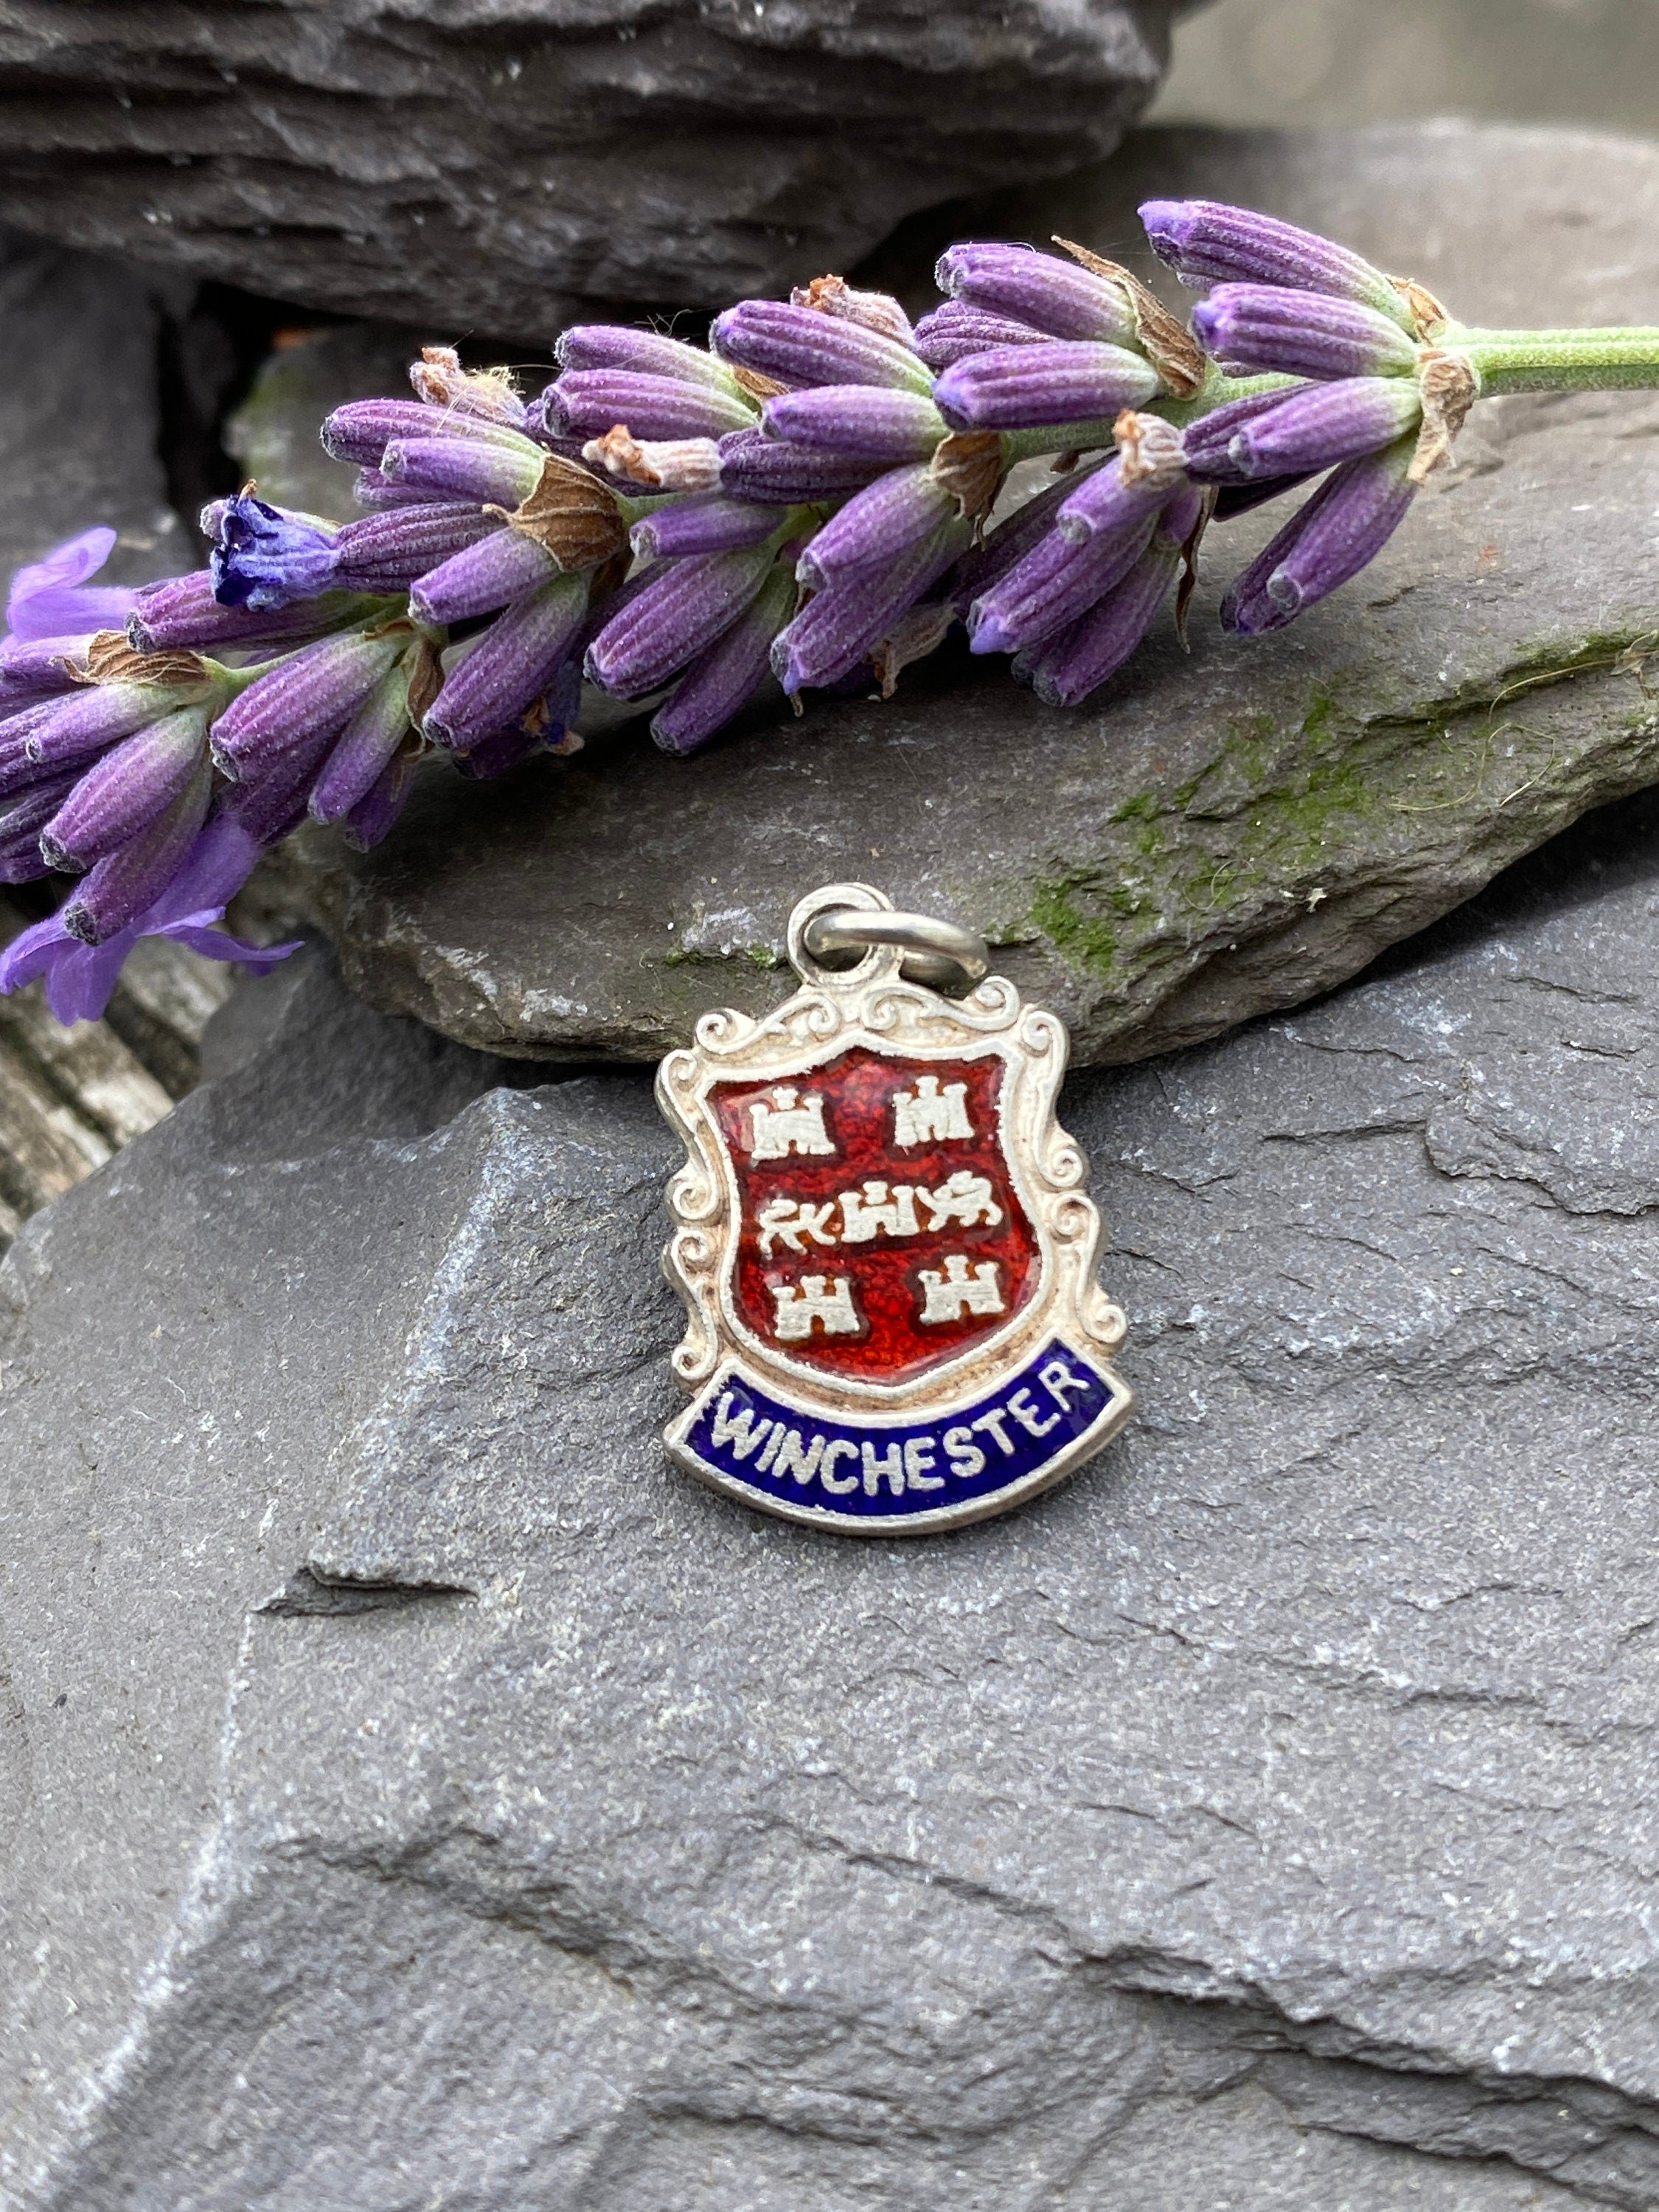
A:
[413,1788]
[493,167]
[1214,833]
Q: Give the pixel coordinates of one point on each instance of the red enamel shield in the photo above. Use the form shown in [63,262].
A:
[880,1233]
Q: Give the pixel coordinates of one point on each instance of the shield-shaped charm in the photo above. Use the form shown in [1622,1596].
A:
[885,1250]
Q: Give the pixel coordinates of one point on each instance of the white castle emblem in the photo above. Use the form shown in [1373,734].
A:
[825,1299]
[788,1124]
[928,1114]
[865,1214]
[960,1289]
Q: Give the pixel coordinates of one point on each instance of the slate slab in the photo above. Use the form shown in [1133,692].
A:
[491,166]
[1214,834]
[415,1791]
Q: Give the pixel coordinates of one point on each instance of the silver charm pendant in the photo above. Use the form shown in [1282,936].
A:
[882,1239]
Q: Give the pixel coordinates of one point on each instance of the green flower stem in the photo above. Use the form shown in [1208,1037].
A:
[1559,361]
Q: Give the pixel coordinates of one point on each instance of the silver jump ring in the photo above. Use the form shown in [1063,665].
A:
[936,953]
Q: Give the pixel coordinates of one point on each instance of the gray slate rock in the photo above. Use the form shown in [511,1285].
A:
[490,168]
[417,1792]
[1211,836]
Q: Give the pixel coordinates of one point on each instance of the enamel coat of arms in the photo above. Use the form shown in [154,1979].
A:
[885,1252]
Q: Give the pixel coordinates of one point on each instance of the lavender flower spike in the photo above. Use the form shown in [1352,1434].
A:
[647,353]
[51,597]
[725,674]
[1054,297]
[951,333]
[266,558]
[387,552]
[897,512]
[710,524]
[674,618]
[776,473]
[800,346]
[1346,524]
[506,566]
[312,690]
[1149,466]
[509,666]
[1029,388]
[844,625]
[1324,425]
[126,790]
[1262,326]
[362,429]
[364,746]
[182,611]
[132,877]
[869,421]
[463,469]
[1066,668]
[1207,242]
[1052,587]
[586,402]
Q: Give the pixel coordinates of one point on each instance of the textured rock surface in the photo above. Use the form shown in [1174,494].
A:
[416,1792]
[1212,836]
[486,166]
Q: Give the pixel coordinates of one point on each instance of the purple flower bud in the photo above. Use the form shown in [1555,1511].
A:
[587,402]
[1205,443]
[1263,326]
[897,512]
[181,612]
[1028,387]
[982,565]
[868,420]
[801,345]
[774,473]
[839,628]
[677,614]
[872,311]
[126,789]
[133,876]
[709,524]
[506,566]
[509,666]
[1114,499]
[77,727]
[951,333]
[1234,500]
[725,674]
[503,476]
[647,353]
[1052,587]
[373,488]
[440,381]
[267,558]
[1054,296]
[18,773]
[22,820]
[1206,242]
[1068,667]
[273,803]
[360,430]
[371,736]
[312,690]
[41,664]
[1346,524]
[386,553]
[1326,424]
[375,813]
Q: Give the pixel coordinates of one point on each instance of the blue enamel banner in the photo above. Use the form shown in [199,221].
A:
[882,1469]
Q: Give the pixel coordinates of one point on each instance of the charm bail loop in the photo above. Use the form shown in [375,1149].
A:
[859,919]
